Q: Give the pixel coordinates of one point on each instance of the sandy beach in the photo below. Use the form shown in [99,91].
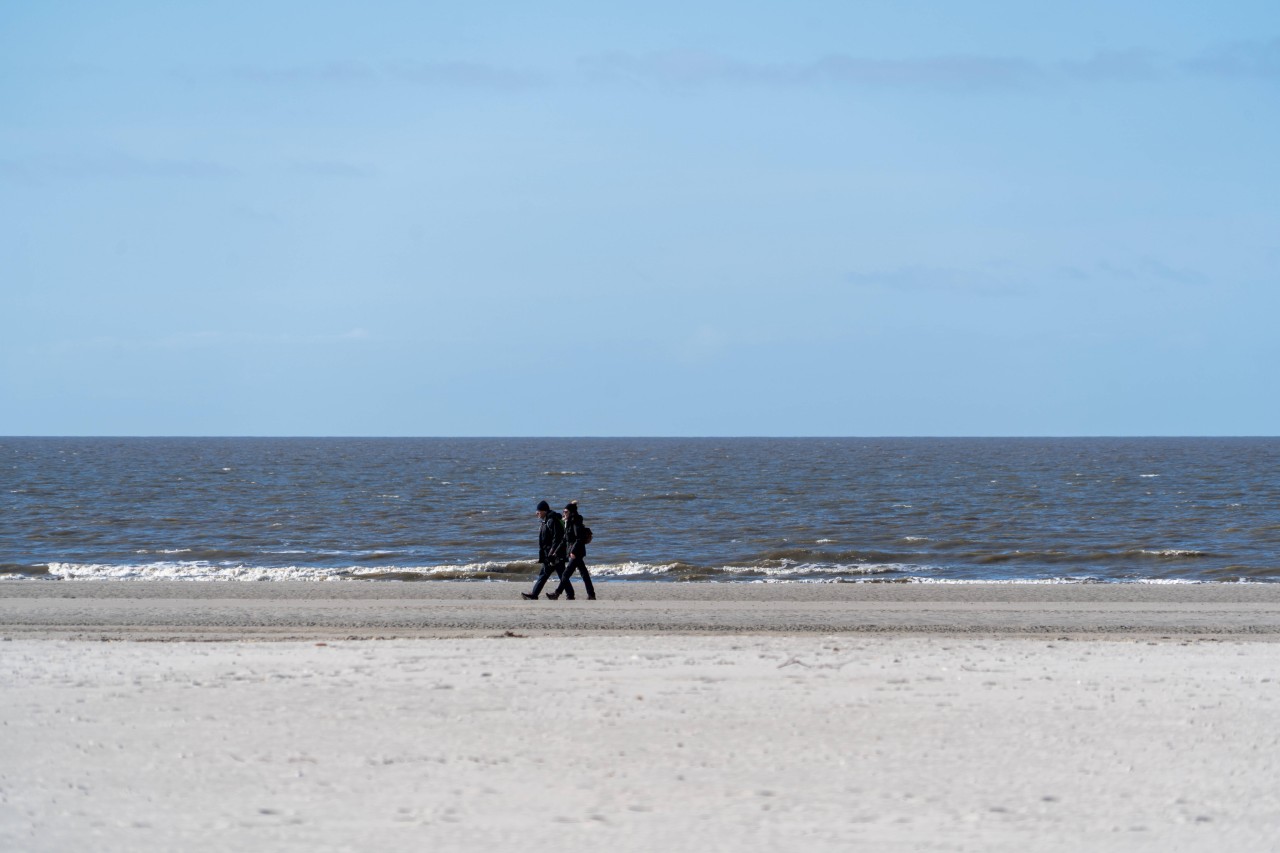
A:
[159,610]
[339,716]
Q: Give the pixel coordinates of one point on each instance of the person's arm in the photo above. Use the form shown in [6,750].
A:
[574,536]
[558,549]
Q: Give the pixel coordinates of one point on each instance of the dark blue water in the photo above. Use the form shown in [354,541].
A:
[676,509]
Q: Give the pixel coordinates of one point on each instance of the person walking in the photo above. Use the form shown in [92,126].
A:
[551,551]
[575,536]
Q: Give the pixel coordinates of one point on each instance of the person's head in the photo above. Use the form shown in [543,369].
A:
[570,509]
[543,509]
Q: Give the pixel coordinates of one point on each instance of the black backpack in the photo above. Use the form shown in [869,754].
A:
[586,535]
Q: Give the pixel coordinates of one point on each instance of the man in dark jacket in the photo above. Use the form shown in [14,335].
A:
[551,550]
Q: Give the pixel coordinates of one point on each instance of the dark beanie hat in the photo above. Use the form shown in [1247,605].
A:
[543,506]
[572,507]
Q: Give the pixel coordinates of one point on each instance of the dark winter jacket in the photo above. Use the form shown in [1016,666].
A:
[574,535]
[551,547]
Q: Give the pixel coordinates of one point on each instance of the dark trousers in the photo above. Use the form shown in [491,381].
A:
[576,563]
[545,575]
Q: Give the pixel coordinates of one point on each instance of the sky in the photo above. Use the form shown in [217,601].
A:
[869,218]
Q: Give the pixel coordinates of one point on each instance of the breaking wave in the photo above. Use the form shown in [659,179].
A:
[195,571]
[199,570]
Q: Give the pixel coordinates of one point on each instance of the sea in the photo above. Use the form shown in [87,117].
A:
[840,510]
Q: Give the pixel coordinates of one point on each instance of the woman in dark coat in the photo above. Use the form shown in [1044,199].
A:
[575,538]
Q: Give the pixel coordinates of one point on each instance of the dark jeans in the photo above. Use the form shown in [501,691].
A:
[545,575]
[576,563]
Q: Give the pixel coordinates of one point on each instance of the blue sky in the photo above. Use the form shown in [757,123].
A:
[812,218]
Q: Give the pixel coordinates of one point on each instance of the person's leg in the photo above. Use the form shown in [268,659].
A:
[543,577]
[586,578]
[565,574]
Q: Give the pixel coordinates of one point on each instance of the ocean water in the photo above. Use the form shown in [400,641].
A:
[931,510]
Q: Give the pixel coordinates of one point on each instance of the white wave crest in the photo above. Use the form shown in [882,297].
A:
[1084,579]
[622,570]
[1003,581]
[788,569]
[196,570]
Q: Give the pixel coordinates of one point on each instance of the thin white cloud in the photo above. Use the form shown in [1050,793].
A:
[463,74]
[1256,59]
[327,74]
[682,68]
[1147,269]
[954,72]
[972,73]
[943,72]
[341,73]
[1113,65]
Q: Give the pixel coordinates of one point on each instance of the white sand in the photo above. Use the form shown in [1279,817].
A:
[608,738]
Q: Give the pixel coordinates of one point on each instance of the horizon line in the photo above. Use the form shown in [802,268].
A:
[668,436]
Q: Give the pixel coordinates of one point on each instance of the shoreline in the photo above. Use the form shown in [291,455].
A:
[179,610]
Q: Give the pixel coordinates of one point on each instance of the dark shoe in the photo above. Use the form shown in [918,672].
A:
[553,595]
[591,598]
[528,596]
